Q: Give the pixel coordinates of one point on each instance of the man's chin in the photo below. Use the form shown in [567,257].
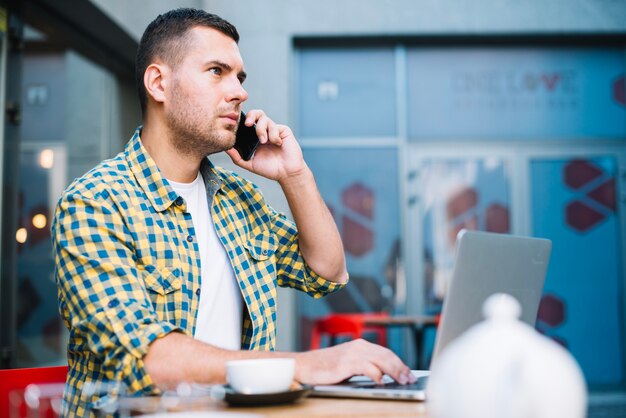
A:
[230,141]
[223,146]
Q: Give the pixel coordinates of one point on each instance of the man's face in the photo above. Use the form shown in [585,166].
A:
[205,94]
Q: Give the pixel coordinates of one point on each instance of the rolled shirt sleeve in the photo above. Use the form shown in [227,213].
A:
[292,269]
[273,232]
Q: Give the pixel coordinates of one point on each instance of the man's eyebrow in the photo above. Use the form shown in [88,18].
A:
[242,75]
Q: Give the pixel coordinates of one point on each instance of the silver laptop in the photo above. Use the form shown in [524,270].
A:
[485,264]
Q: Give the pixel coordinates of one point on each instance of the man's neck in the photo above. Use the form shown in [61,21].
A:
[174,165]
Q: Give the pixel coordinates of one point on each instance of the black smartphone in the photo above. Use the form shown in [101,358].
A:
[246,140]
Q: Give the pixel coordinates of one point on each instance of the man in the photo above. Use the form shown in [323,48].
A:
[167,266]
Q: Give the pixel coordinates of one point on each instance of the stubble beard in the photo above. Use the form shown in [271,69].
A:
[198,135]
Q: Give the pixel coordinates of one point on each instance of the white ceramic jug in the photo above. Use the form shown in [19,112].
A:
[503,368]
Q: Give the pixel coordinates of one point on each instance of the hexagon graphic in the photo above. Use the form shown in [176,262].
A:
[619,91]
[577,173]
[357,238]
[497,218]
[605,194]
[581,217]
[461,202]
[551,310]
[360,199]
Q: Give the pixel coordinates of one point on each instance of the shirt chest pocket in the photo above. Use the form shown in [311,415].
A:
[261,245]
[261,249]
[164,284]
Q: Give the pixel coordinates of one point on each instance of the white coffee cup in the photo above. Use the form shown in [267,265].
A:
[257,376]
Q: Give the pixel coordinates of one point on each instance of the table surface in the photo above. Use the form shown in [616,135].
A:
[329,407]
[316,407]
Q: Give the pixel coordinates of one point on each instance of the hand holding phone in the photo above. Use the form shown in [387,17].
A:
[246,139]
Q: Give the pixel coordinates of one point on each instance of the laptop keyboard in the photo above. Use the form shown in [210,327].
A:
[420,384]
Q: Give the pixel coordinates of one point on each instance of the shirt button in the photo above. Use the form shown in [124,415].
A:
[264,252]
[189,238]
[198,292]
[179,201]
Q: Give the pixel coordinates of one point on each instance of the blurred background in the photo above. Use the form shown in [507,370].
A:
[418,118]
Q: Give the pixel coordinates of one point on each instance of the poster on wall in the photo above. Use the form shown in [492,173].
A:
[512,94]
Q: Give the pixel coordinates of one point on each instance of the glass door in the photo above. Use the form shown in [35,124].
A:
[470,193]
[577,202]
[573,197]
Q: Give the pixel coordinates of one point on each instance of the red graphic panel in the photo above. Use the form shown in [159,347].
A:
[360,199]
[551,310]
[605,194]
[357,238]
[497,218]
[461,202]
[580,172]
[581,217]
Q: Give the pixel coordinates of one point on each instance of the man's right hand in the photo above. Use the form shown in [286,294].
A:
[358,357]
[176,358]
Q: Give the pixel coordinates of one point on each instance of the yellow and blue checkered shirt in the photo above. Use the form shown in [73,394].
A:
[128,268]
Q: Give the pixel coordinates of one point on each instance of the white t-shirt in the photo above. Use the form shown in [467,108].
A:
[219,320]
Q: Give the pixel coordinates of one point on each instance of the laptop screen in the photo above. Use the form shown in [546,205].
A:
[488,263]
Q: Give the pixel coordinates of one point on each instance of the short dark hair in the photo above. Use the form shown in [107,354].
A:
[164,38]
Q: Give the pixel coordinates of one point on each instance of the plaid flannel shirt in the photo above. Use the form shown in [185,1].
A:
[128,268]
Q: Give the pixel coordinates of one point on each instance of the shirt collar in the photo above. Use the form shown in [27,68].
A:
[212,180]
[155,186]
[148,175]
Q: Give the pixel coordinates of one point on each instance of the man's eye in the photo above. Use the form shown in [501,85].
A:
[216,70]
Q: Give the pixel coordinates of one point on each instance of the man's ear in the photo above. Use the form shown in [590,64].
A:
[156,81]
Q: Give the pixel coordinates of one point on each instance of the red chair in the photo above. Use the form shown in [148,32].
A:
[15,380]
[351,325]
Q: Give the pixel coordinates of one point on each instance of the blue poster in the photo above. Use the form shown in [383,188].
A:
[511,94]
[574,205]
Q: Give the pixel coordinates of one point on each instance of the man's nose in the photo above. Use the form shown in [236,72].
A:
[237,93]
